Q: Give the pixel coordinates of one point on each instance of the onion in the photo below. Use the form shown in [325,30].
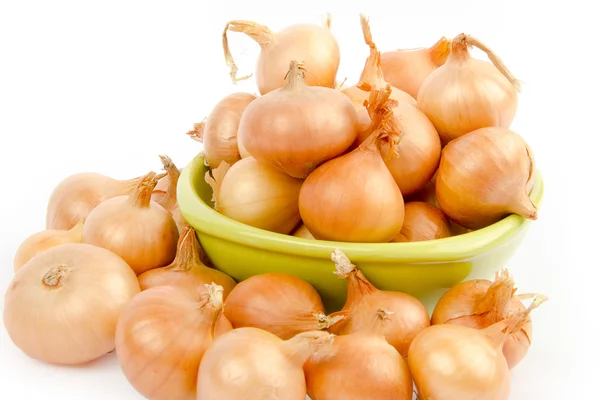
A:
[187,271]
[139,230]
[275,132]
[481,303]
[221,128]
[372,75]
[162,335]
[418,151]
[408,69]
[40,241]
[454,362]
[257,195]
[62,306]
[408,318]
[362,366]
[422,221]
[466,94]
[484,176]
[354,198]
[314,45]
[278,303]
[76,196]
[252,364]
[168,198]
[303,232]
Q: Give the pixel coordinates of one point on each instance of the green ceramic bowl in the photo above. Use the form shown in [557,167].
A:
[423,269]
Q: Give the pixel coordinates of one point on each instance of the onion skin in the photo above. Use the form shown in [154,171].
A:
[221,128]
[473,367]
[422,221]
[77,195]
[466,94]
[296,143]
[484,176]
[137,229]
[168,199]
[314,45]
[40,241]
[303,232]
[187,271]
[418,152]
[408,69]
[62,306]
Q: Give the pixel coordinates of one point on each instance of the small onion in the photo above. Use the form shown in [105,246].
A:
[62,307]
[422,221]
[314,45]
[257,195]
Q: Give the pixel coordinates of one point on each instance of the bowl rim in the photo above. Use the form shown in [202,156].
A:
[466,246]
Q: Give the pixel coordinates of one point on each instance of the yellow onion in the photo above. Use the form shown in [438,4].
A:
[303,232]
[38,242]
[466,94]
[257,195]
[314,45]
[484,176]
[134,227]
[275,132]
[354,198]
[372,75]
[407,69]
[418,153]
[422,221]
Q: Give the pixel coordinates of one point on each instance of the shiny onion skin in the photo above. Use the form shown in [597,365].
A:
[162,335]
[409,316]
[418,152]
[256,194]
[360,366]
[134,227]
[252,364]
[40,241]
[188,270]
[282,304]
[407,69]
[484,176]
[372,75]
[62,307]
[422,221]
[354,198]
[275,133]
[221,129]
[466,94]
[77,195]
[313,45]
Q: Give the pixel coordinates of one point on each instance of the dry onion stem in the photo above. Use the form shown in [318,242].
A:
[312,44]
[168,199]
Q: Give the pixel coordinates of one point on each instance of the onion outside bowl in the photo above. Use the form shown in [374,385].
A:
[424,269]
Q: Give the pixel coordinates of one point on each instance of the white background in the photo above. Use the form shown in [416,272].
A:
[106,86]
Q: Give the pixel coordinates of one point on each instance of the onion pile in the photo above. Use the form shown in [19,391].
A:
[419,149]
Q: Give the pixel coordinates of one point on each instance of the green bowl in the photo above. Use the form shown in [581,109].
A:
[423,269]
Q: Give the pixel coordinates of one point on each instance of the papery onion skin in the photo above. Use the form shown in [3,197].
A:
[278,303]
[407,69]
[168,199]
[418,152]
[77,195]
[274,132]
[422,221]
[483,177]
[252,364]
[313,45]
[453,362]
[137,229]
[62,307]
[258,195]
[40,241]
[221,128]
[187,271]
[466,94]
[161,337]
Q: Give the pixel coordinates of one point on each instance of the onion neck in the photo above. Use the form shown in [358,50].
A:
[299,348]
[189,251]
[294,79]
[372,72]
[54,278]
[496,301]
[459,49]
[358,285]
[142,194]
[440,51]
[170,198]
